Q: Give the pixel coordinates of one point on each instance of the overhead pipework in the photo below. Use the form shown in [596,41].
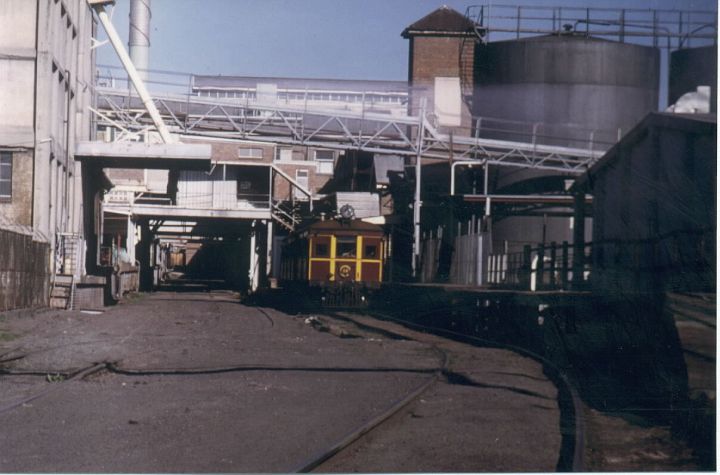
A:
[139,41]
[138,83]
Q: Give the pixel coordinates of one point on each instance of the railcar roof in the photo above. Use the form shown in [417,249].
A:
[355,225]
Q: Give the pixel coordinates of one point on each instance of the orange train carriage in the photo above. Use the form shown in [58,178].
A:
[344,258]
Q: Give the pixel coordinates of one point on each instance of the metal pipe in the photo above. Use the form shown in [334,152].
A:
[469,163]
[68,104]
[486,185]
[418,175]
[132,72]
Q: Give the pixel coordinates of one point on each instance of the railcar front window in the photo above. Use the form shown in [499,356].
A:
[346,247]
[370,252]
[321,250]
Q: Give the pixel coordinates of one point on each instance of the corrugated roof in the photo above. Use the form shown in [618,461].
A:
[690,123]
[443,20]
[354,225]
[246,82]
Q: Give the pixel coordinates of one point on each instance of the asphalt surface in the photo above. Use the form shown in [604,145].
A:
[207,384]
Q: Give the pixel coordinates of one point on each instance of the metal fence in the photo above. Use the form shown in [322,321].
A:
[468,259]
[682,260]
[657,27]
[24,271]
[545,267]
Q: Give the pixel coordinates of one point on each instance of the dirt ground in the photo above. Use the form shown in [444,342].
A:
[203,383]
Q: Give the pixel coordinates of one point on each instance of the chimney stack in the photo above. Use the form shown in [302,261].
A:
[139,41]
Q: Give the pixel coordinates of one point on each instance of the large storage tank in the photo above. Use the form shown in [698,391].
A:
[690,68]
[569,86]
[567,79]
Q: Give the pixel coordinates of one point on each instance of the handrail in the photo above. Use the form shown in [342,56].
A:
[292,181]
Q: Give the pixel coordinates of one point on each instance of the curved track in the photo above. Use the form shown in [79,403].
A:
[571,457]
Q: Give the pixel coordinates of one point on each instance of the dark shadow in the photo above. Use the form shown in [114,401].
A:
[455,378]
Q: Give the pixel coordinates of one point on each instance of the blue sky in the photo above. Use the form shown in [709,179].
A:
[354,39]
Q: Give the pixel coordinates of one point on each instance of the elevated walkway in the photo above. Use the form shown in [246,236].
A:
[372,132]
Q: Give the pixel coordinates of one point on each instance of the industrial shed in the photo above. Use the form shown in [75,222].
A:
[654,195]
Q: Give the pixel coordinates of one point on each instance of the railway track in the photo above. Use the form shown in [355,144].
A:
[571,456]
[442,374]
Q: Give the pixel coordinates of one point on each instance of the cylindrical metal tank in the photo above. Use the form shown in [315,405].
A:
[567,79]
[690,68]
[563,87]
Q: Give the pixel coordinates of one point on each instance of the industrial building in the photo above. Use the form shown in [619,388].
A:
[570,77]
[655,208]
[530,185]
[388,97]
[482,144]
[46,65]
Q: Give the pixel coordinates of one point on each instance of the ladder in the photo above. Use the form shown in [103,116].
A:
[62,292]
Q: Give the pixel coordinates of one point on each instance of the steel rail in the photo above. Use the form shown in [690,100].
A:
[562,380]
[357,433]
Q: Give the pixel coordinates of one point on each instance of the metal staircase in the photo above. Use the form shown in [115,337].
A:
[287,218]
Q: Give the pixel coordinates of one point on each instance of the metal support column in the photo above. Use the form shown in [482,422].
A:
[254,259]
[269,250]
[417,203]
[578,262]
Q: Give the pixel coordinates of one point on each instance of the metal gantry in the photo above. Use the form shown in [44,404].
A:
[327,128]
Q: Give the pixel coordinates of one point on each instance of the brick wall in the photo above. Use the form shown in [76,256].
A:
[18,209]
[315,180]
[439,56]
[231,151]
[434,56]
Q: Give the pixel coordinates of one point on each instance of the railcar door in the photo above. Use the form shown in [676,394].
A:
[371,259]
[346,255]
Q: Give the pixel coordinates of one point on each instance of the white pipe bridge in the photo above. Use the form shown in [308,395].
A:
[335,129]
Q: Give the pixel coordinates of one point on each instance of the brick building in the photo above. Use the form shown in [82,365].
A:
[440,68]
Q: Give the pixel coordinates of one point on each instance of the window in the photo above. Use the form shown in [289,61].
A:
[302,177]
[285,154]
[5,175]
[322,250]
[346,247]
[250,153]
[325,160]
[370,252]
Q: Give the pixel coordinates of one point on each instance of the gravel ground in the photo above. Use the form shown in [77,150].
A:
[493,411]
[291,386]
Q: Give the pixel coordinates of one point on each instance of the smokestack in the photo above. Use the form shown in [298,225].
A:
[139,42]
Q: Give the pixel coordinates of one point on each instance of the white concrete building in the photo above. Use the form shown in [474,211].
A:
[46,74]
[46,71]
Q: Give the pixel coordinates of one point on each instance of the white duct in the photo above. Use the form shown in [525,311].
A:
[139,41]
[116,42]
